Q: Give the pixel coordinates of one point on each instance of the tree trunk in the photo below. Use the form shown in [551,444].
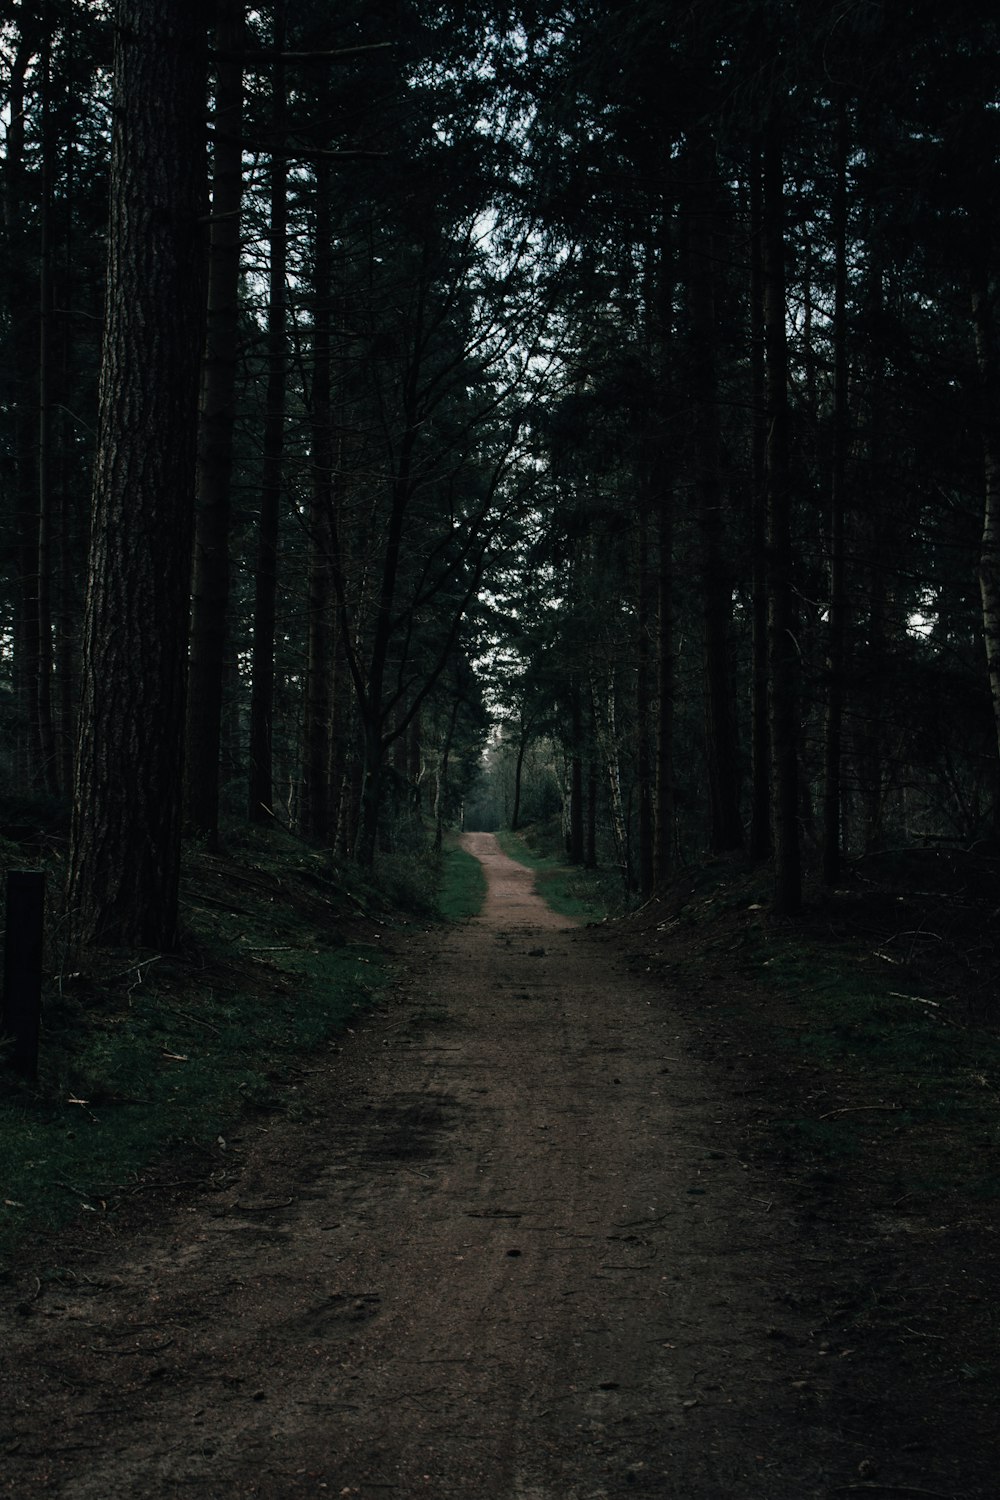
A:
[716,571]
[21,311]
[760,732]
[663,836]
[441,786]
[49,768]
[984,319]
[644,768]
[876,546]
[837,631]
[607,734]
[783,661]
[590,852]
[318,725]
[371,794]
[125,845]
[261,784]
[210,590]
[522,745]
[575,843]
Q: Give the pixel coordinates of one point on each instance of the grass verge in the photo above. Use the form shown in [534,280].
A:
[584,895]
[462,884]
[873,1067]
[908,1089]
[147,1057]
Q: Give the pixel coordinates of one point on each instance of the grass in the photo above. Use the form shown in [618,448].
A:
[918,1089]
[584,895]
[147,1058]
[150,1057]
[462,885]
[882,1074]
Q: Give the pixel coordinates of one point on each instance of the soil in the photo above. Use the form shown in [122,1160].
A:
[517,1242]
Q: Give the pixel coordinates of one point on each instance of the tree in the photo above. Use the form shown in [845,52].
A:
[261,777]
[126,833]
[782,642]
[210,585]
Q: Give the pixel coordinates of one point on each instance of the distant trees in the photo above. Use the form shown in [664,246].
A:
[767,250]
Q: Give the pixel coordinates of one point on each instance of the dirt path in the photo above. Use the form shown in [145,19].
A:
[512,1254]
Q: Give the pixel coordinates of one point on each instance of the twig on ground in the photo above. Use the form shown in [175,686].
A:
[856,1109]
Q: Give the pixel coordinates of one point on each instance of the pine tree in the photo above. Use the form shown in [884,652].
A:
[126,834]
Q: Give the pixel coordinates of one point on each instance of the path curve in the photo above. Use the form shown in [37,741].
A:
[513,1255]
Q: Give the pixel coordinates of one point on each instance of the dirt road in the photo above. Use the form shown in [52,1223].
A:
[511,1253]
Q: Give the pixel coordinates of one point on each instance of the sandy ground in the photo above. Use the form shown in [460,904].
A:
[511,1251]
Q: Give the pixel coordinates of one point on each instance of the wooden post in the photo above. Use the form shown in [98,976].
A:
[22,972]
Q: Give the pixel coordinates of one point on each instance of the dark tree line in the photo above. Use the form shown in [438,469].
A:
[771,462]
[356,367]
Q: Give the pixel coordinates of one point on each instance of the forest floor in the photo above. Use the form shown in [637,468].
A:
[563,1219]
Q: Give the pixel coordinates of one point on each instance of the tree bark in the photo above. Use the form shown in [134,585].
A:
[261,781]
[319,698]
[760,741]
[716,571]
[783,660]
[837,628]
[663,836]
[575,848]
[22,315]
[984,294]
[210,586]
[125,844]
[47,500]
[644,768]
[523,732]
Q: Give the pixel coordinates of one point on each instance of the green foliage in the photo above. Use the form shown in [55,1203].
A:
[155,1056]
[406,875]
[462,884]
[570,890]
[924,1083]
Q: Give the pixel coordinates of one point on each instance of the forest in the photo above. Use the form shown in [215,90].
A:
[586,413]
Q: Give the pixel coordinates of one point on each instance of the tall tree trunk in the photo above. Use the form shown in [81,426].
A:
[372,695]
[607,736]
[574,846]
[984,296]
[210,585]
[876,546]
[663,836]
[318,722]
[590,850]
[47,500]
[21,311]
[716,570]
[760,732]
[523,733]
[441,781]
[837,631]
[261,782]
[783,661]
[125,846]
[67,544]
[644,767]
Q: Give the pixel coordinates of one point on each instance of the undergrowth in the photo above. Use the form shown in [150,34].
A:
[924,1088]
[462,884]
[888,1075]
[146,1057]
